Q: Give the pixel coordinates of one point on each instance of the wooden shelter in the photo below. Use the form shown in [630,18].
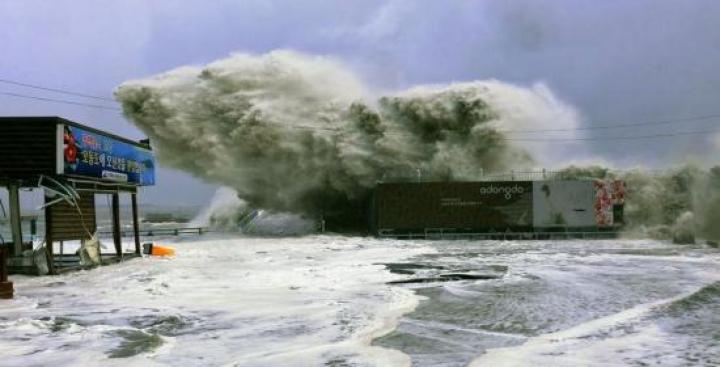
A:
[71,163]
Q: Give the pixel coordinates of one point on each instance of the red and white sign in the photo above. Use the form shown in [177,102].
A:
[607,194]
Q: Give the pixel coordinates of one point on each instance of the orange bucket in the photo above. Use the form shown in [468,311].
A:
[157,250]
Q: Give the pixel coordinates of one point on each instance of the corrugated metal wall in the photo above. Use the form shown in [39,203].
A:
[67,222]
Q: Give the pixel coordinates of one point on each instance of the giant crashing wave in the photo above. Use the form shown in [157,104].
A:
[301,134]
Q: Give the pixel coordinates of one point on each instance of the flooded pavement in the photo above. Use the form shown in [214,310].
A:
[568,303]
[349,301]
[308,301]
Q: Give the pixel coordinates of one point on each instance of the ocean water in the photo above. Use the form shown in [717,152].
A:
[351,301]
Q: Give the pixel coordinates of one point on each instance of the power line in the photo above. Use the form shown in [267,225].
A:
[597,127]
[603,127]
[536,140]
[56,90]
[633,137]
[618,126]
[338,130]
[306,127]
[17,95]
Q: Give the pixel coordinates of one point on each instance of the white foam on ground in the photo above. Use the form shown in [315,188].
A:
[246,302]
[593,342]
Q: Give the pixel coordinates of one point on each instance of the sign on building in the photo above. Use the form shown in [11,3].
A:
[563,204]
[87,154]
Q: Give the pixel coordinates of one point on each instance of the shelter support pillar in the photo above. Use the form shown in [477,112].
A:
[117,239]
[49,237]
[15,223]
[6,287]
[136,226]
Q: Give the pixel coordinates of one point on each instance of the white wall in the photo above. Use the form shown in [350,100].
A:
[563,204]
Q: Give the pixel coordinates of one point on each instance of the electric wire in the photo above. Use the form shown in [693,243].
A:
[631,137]
[56,90]
[339,131]
[64,101]
[619,126]
[596,127]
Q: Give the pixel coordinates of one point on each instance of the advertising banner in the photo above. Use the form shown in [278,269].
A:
[608,194]
[563,204]
[484,206]
[93,155]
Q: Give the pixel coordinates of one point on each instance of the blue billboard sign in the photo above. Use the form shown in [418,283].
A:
[89,154]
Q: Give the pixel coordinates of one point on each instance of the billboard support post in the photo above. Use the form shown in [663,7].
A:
[49,238]
[117,238]
[16,227]
[6,287]
[136,228]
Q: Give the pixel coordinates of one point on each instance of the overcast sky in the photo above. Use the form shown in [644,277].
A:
[616,61]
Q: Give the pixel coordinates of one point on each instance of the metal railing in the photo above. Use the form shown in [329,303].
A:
[501,236]
[418,175]
[543,175]
[535,175]
[161,232]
